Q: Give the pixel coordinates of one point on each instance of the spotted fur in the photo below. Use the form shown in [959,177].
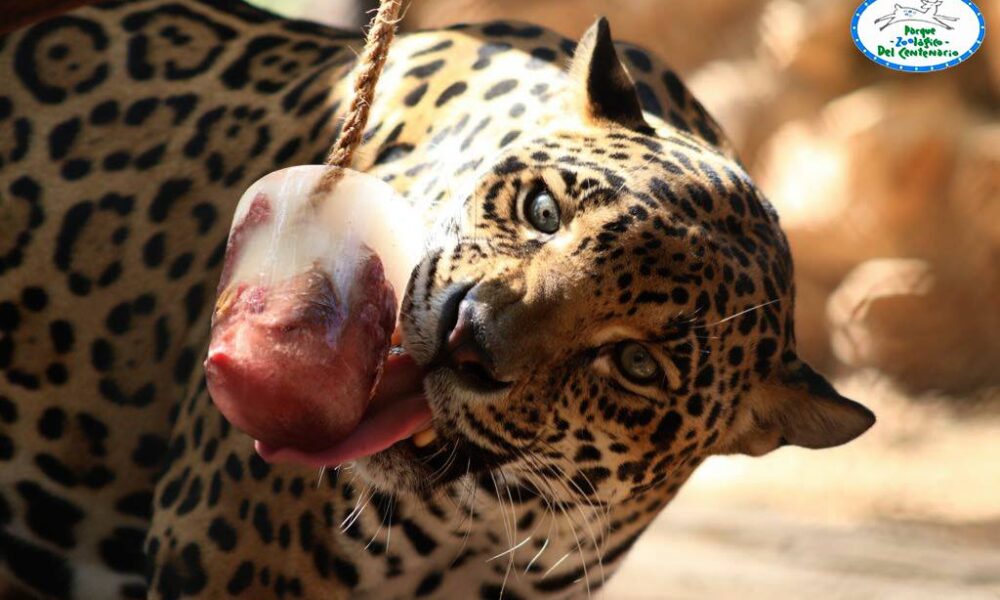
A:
[127,133]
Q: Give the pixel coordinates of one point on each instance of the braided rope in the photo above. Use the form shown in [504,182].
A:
[381,32]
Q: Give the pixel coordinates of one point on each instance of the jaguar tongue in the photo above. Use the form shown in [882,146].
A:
[398,410]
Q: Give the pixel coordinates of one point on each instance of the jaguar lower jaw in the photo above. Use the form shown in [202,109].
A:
[439,453]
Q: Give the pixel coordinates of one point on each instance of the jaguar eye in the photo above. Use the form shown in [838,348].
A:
[542,210]
[636,363]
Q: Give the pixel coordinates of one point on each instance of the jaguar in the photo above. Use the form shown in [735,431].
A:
[623,291]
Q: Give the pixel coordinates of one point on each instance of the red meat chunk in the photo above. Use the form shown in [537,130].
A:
[293,365]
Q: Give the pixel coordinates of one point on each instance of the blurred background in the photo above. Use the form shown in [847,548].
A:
[888,185]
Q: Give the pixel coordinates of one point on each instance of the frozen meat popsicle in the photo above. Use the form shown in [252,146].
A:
[307,304]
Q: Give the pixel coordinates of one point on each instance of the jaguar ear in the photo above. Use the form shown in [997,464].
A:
[608,93]
[798,407]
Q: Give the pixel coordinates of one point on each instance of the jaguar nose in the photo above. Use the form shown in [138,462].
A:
[450,312]
[468,355]
[464,347]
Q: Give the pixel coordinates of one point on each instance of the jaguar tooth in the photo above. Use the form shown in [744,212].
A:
[424,437]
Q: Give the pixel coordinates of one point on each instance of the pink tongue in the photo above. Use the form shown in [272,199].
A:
[373,435]
[398,410]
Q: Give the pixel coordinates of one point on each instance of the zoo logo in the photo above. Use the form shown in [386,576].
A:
[936,35]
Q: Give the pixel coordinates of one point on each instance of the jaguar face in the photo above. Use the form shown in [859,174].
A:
[608,307]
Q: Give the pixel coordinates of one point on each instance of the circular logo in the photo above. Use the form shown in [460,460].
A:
[918,35]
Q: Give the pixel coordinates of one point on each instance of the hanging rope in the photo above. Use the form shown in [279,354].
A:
[381,32]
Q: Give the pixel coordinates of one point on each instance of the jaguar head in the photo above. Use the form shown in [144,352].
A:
[612,303]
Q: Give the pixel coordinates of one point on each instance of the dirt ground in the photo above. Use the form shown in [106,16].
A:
[910,511]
